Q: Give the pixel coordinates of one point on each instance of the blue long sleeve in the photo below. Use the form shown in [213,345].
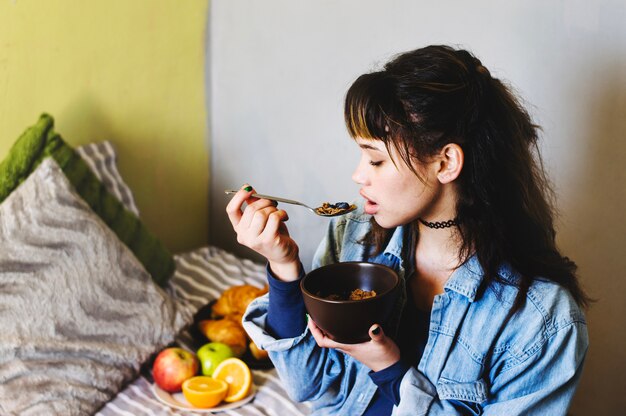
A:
[388,380]
[286,315]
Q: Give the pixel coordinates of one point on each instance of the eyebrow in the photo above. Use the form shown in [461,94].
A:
[369,147]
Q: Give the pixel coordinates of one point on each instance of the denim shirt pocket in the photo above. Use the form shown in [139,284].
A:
[473,391]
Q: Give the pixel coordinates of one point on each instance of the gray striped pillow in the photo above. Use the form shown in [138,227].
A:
[102,159]
[79,313]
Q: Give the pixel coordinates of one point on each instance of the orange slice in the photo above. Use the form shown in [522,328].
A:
[238,376]
[204,392]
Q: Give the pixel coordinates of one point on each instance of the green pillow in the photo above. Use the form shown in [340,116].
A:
[39,142]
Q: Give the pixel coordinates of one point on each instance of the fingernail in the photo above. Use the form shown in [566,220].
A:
[247,188]
[376,330]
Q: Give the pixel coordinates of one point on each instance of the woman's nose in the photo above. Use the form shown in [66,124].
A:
[357,176]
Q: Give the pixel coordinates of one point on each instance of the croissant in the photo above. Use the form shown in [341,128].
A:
[236,299]
[227,331]
[256,352]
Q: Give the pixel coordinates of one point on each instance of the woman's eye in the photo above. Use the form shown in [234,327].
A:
[375,163]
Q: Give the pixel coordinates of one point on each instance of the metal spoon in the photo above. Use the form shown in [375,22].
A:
[323,211]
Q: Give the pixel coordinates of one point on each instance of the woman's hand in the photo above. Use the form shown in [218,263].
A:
[260,226]
[378,353]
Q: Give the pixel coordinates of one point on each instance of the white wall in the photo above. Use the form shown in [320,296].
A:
[279,70]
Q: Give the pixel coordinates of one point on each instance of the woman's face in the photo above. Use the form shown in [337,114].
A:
[393,194]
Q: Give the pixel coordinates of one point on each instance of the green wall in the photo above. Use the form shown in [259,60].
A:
[131,72]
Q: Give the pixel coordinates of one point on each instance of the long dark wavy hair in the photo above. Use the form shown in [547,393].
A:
[426,98]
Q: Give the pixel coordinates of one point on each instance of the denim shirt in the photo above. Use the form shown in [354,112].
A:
[478,360]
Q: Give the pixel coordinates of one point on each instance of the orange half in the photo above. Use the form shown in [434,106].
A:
[238,376]
[204,392]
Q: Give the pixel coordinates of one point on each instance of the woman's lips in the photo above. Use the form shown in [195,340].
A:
[370,207]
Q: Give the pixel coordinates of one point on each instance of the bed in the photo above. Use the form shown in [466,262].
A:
[89,295]
[201,275]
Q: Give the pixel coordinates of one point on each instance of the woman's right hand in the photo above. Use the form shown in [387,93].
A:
[261,227]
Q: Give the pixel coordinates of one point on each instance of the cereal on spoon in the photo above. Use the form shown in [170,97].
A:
[333,209]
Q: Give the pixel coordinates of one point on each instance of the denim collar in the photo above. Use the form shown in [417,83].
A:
[395,244]
[466,279]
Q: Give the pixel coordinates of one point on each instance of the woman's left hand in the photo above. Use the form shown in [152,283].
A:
[378,353]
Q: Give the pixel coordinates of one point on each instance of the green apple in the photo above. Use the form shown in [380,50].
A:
[211,354]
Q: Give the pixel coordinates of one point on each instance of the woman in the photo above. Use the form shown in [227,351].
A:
[457,202]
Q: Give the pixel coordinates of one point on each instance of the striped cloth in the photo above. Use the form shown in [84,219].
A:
[201,276]
[102,159]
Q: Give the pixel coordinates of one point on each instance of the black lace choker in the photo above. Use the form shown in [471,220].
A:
[440,224]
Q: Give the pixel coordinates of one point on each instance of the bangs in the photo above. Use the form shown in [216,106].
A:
[371,109]
[374,111]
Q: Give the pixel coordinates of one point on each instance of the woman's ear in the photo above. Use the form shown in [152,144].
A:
[450,163]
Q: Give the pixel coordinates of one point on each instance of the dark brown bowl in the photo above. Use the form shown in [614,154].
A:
[349,321]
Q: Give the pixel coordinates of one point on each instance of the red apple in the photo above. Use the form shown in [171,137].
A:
[173,366]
